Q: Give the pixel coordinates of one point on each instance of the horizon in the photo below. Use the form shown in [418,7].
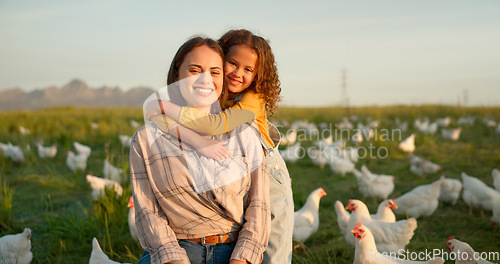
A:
[408,53]
[342,106]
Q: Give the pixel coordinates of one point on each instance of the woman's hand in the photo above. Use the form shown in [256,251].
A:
[212,148]
[153,108]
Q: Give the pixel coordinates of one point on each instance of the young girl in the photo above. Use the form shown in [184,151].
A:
[252,80]
[193,209]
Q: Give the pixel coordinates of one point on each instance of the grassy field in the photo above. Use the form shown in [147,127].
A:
[46,196]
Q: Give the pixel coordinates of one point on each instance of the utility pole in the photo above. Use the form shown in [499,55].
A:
[466,97]
[344,99]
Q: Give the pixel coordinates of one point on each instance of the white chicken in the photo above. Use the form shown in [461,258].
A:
[384,211]
[98,185]
[47,152]
[15,153]
[495,173]
[111,172]
[495,218]
[389,237]
[477,194]
[349,154]
[98,256]
[422,167]
[443,122]
[366,251]
[317,157]
[290,138]
[94,125]
[16,248]
[357,138]
[342,217]
[76,162]
[125,140]
[131,219]
[340,165]
[403,126]
[465,252]
[451,134]
[324,142]
[82,149]
[450,190]
[367,131]
[24,131]
[429,129]
[3,148]
[306,219]
[408,144]
[466,120]
[292,153]
[373,185]
[421,201]
[384,214]
[345,124]
[134,123]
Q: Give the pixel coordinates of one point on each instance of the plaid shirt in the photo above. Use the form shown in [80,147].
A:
[179,194]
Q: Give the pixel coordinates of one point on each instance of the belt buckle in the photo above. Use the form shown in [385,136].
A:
[203,243]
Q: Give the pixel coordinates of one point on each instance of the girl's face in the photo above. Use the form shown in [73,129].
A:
[201,77]
[240,68]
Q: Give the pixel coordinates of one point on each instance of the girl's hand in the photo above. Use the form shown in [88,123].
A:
[153,108]
[213,149]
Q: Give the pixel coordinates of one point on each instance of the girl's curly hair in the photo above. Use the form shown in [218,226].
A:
[266,82]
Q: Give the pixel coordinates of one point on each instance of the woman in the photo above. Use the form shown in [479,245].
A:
[190,208]
[254,89]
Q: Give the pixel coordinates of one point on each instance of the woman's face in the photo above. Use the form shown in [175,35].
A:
[201,77]
[240,68]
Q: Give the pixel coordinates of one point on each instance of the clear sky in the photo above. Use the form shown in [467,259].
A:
[404,52]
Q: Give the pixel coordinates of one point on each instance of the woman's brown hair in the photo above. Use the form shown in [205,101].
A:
[266,82]
[173,73]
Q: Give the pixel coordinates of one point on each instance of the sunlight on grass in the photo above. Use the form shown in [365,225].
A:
[57,205]
[6,194]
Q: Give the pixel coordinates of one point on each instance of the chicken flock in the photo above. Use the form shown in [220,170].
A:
[380,232]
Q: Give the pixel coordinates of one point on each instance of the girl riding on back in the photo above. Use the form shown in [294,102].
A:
[254,88]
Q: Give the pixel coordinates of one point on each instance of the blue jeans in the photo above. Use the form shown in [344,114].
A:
[279,248]
[199,254]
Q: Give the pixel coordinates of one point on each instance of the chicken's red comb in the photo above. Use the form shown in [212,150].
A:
[358,225]
[131,202]
[450,238]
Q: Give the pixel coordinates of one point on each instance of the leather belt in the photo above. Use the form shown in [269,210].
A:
[215,239]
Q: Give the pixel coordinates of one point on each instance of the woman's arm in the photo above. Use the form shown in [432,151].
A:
[254,235]
[155,235]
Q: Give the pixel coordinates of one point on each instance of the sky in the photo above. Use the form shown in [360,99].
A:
[387,51]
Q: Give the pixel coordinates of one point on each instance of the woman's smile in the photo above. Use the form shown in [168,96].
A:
[203,91]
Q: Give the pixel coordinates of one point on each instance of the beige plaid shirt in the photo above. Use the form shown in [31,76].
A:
[179,194]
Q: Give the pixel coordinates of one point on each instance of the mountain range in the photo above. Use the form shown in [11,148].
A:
[75,93]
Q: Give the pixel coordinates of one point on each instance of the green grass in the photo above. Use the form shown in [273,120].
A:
[46,196]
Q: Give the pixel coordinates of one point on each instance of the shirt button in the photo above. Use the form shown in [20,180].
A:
[276,167]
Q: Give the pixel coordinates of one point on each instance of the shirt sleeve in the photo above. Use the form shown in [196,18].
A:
[155,235]
[247,109]
[163,122]
[254,235]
